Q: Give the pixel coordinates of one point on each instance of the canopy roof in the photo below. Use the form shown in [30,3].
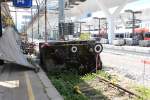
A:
[93,5]
[79,7]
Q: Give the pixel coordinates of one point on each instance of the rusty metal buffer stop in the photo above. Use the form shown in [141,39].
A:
[81,55]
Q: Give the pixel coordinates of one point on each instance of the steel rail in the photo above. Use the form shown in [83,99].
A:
[117,86]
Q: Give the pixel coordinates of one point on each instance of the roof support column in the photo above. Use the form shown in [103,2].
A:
[111,27]
[110,17]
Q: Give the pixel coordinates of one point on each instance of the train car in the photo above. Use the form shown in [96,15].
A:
[146,41]
[147,36]
[81,55]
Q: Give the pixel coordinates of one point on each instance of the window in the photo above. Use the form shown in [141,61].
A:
[147,35]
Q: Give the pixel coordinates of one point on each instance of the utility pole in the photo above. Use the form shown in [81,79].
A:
[133,23]
[16,17]
[106,26]
[0,21]
[61,6]
[61,10]
[99,23]
[89,26]
[1,61]
[38,8]
[46,21]
[134,20]
[80,25]
[80,28]
[32,22]
[26,24]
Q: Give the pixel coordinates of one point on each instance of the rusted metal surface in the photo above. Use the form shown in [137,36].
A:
[80,55]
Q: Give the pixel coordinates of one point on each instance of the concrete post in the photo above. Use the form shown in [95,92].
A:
[111,27]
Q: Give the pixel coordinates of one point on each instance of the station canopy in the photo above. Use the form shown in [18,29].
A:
[77,8]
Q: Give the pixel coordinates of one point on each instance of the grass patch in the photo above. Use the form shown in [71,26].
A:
[91,76]
[67,81]
[88,77]
[104,74]
[143,92]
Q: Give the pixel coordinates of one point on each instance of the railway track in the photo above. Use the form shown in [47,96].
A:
[101,79]
[111,90]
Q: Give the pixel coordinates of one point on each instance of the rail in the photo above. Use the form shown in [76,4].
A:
[117,86]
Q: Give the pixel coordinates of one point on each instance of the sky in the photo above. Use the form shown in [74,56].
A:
[138,5]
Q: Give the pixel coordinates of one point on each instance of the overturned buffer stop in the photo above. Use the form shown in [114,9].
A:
[82,55]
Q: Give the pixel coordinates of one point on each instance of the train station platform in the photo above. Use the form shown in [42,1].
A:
[17,83]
